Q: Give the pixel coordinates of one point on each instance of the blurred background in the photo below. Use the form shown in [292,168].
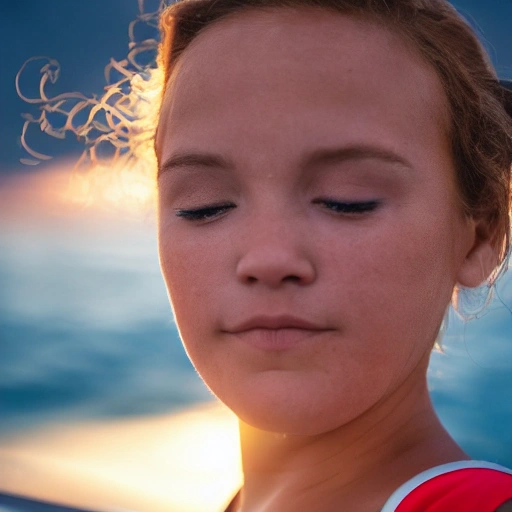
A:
[94,384]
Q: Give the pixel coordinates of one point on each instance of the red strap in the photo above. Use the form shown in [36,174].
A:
[462,490]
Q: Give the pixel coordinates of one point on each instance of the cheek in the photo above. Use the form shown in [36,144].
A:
[194,269]
[399,277]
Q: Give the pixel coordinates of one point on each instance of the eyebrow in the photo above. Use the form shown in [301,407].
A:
[184,160]
[331,156]
[319,157]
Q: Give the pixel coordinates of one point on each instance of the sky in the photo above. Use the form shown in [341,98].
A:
[84,35]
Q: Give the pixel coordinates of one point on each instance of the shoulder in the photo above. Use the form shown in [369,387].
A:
[472,486]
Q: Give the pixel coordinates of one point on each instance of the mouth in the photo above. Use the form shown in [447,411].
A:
[276,332]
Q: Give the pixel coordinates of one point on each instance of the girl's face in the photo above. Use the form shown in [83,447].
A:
[309,226]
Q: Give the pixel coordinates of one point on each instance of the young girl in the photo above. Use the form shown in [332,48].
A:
[330,172]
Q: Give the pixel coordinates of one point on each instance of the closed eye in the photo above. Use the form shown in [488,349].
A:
[205,212]
[348,207]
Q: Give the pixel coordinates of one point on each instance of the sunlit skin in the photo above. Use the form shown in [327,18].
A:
[310,236]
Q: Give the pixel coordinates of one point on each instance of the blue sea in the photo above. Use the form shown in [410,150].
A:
[87,332]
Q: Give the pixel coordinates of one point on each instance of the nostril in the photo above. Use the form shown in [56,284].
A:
[292,279]
[286,279]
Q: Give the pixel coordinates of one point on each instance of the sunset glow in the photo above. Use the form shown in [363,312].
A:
[187,462]
[60,189]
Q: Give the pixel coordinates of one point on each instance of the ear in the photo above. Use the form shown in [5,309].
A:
[482,257]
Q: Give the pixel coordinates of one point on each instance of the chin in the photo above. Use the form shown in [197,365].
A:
[294,415]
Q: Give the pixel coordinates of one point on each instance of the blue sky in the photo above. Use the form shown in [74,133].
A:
[83,35]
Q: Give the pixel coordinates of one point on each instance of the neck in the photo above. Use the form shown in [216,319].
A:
[354,467]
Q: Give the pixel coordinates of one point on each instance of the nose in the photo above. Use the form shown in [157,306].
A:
[273,259]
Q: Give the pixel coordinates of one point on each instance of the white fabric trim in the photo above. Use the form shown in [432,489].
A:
[398,496]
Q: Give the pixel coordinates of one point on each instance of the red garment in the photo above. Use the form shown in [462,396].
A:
[467,486]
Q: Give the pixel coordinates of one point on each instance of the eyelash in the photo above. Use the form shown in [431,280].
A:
[204,213]
[341,207]
[349,208]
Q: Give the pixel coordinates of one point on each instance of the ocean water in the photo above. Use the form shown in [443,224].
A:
[87,332]
[85,325]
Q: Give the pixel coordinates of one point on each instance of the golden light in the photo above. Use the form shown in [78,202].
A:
[61,191]
[187,462]
[131,189]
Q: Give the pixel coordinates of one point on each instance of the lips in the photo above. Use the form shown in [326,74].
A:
[276,332]
[275,322]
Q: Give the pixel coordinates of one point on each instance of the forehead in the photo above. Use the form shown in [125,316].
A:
[296,60]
